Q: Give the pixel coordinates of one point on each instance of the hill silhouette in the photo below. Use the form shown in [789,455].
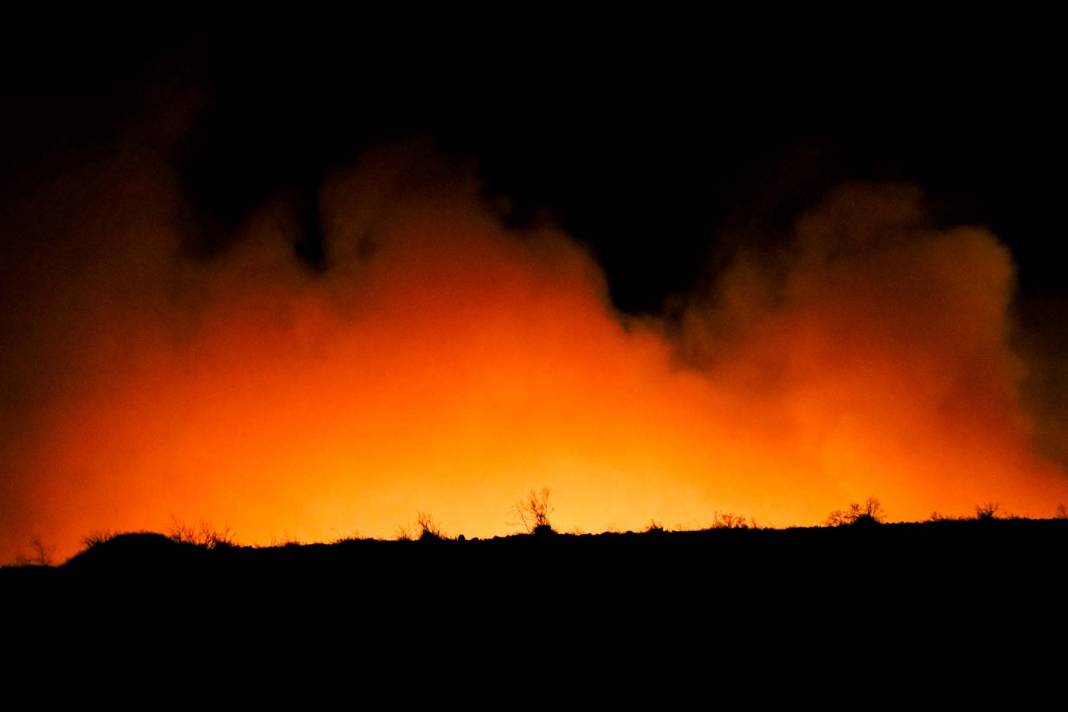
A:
[980,590]
[976,556]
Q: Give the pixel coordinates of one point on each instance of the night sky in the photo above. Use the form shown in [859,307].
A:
[727,137]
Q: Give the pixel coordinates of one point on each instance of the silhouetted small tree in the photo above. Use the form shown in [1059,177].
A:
[1062,511]
[533,512]
[868,514]
[41,556]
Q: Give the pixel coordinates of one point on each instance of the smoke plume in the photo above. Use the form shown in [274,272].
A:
[443,363]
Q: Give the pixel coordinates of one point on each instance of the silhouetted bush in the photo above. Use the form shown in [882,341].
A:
[726,520]
[988,512]
[97,537]
[204,536]
[858,515]
[429,530]
[534,511]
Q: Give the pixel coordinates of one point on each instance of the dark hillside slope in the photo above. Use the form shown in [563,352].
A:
[987,591]
[978,557]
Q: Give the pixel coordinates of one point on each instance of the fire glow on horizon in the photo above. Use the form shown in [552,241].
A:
[445,364]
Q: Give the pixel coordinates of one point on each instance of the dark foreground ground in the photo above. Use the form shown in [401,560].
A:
[936,563]
[978,585]
[965,605]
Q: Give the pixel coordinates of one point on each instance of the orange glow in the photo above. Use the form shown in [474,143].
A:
[446,365]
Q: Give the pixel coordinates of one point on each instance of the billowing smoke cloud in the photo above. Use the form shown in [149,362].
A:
[880,345]
[443,363]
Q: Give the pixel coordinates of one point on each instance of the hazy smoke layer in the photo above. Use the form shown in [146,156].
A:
[442,363]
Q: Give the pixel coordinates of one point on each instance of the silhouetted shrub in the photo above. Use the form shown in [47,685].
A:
[726,520]
[429,530]
[1062,511]
[97,537]
[533,512]
[204,536]
[858,515]
[987,512]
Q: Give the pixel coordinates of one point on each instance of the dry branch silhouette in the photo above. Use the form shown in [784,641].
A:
[533,512]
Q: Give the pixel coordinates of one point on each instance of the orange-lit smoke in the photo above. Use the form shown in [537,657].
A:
[445,364]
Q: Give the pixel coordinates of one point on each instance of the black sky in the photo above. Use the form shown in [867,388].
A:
[660,145]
